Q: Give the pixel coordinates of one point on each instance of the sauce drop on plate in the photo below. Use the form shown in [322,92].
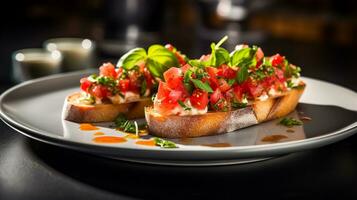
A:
[88,127]
[217,145]
[274,138]
[109,139]
[146,142]
[98,133]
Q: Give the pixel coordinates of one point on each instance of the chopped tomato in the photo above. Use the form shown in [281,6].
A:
[175,95]
[173,77]
[163,90]
[212,72]
[199,99]
[124,85]
[223,85]
[254,90]
[280,74]
[215,96]
[226,72]
[108,69]
[259,55]
[185,68]
[119,72]
[85,84]
[148,77]
[100,91]
[218,102]
[238,92]
[276,60]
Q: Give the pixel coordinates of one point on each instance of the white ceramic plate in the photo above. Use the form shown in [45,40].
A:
[34,109]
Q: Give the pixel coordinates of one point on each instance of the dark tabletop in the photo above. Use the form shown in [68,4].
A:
[33,170]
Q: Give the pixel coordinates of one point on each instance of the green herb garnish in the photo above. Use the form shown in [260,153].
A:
[157,59]
[183,105]
[202,85]
[164,143]
[289,122]
[123,124]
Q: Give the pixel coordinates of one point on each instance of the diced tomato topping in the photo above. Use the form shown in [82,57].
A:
[100,91]
[165,104]
[226,72]
[124,85]
[218,102]
[175,95]
[280,74]
[276,60]
[223,85]
[199,99]
[149,79]
[85,84]
[108,69]
[119,72]
[254,90]
[259,55]
[173,77]
[185,68]
[163,90]
[215,96]
[238,92]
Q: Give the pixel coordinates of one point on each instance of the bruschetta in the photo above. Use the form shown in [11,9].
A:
[222,92]
[125,89]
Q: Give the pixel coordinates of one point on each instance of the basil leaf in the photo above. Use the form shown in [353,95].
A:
[160,59]
[219,55]
[131,58]
[239,56]
[222,57]
[203,86]
[242,74]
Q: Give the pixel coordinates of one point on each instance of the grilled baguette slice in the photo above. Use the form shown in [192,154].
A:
[75,111]
[214,123]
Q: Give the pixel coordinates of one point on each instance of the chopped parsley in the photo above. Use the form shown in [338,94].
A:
[164,143]
[290,122]
[126,125]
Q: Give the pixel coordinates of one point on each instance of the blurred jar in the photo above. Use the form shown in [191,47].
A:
[34,63]
[77,53]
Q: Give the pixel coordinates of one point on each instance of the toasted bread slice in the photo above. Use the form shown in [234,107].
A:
[78,112]
[213,123]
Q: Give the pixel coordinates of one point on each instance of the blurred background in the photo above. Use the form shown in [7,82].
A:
[318,35]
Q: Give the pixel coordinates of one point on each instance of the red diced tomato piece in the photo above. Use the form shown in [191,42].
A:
[163,90]
[259,55]
[276,60]
[173,77]
[107,69]
[100,91]
[175,95]
[124,85]
[185,68]
[215,96]
[85,84]
[238,92]
[199,99]
[223,85]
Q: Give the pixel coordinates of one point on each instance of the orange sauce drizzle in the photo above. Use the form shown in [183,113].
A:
[132,136]
[109,139]
[274,138]
[217,145]
[146,142]
[98,133]
[88,127]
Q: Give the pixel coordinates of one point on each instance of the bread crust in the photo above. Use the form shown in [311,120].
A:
[83,113]
[214,123]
